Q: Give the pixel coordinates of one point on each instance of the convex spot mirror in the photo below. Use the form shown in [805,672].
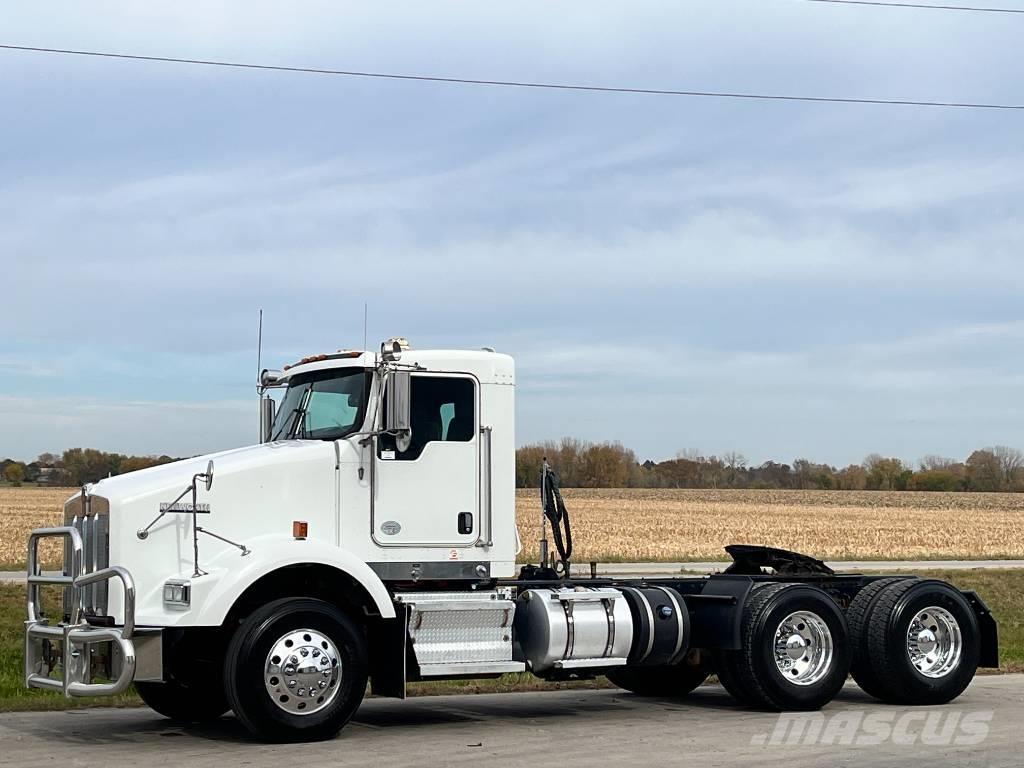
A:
[268,411]
[209,475]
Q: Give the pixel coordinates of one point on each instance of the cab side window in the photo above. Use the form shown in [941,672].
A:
[443,409]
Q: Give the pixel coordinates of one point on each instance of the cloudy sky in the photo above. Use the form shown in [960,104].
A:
[782,279]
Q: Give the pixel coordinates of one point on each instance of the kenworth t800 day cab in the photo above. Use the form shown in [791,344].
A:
[371,538]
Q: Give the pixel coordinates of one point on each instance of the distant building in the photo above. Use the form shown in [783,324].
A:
[50,476]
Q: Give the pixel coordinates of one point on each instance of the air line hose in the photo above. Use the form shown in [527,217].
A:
[558,516]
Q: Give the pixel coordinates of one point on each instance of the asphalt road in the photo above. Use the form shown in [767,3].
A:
[563,728]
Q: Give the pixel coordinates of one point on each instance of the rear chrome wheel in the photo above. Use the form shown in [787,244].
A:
[934,642]
[795,651]
[803,648]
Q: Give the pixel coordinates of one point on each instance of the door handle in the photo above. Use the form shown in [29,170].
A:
[465,522]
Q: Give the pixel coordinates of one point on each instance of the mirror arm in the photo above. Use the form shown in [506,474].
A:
[367,437]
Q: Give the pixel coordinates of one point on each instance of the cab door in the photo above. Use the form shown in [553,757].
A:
[429,493]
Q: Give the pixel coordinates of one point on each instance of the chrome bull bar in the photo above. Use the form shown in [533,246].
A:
[75,635]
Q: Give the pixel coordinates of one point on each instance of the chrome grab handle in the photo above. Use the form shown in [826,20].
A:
[486,534]
[75,633]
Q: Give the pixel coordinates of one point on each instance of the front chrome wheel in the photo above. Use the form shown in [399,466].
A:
[803,648]
[296,669]
[302,672]
[934,642]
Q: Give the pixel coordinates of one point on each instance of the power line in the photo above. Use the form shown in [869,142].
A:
[921,5]
[518,83]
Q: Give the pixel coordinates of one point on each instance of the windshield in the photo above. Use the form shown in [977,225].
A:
[325,405]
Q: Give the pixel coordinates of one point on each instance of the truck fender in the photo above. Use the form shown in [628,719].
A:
[270,553]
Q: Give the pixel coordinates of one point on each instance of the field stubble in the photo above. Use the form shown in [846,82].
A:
[21,510]
[679,525]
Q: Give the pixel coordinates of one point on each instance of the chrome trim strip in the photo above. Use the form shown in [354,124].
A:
[609,610]
[570,630]
[487,492]
[448,570]
[471,668]
[610,661]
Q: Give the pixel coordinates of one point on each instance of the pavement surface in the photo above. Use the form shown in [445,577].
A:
[708,566]
[564,728]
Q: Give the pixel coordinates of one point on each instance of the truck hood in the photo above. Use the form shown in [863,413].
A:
[177,475]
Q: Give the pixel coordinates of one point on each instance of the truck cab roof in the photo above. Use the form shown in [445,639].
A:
[487,366]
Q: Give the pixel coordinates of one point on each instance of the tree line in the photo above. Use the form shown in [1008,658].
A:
[582,464]
[76,466]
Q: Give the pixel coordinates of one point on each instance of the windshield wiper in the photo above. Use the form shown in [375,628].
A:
[291,424]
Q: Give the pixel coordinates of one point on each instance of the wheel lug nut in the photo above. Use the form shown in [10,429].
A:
[316,652]
[323,683]
[304,652]
[291,683]
[323,659]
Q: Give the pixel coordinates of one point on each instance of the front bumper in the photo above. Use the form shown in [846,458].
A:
[73,668]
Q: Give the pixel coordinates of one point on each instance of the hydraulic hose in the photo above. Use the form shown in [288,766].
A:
[558,516]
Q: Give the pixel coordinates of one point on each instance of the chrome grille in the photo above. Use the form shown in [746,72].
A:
[90,515]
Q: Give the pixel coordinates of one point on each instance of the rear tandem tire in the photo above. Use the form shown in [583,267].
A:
[933,620]
[858,617]
[663,681]
[780,666]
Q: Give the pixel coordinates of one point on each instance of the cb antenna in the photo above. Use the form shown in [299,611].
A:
[365,311]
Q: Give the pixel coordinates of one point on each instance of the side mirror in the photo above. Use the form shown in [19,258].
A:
[209,474]
[399,418]
[268,410]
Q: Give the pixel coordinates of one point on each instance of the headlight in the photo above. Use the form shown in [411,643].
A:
[177,593]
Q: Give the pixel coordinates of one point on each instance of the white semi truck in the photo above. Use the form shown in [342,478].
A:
[371,538]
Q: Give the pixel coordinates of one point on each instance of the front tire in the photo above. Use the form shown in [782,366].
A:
[795,651]
[296,670]
[184,703]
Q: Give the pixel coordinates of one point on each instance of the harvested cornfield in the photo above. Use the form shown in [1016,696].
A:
[21,510]
[672,525]
[680,525]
